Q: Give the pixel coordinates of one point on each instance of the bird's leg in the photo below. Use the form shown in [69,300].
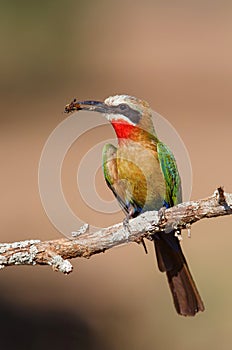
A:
[129,216]
[162,219]
[161,213]
[126,226]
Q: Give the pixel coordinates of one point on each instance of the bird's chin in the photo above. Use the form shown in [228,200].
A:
[119,119]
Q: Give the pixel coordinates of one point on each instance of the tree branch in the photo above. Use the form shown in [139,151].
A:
[56,252]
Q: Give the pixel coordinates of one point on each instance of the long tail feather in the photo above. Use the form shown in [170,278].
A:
[171,260]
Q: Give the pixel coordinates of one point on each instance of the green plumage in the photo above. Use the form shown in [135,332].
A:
[171,175]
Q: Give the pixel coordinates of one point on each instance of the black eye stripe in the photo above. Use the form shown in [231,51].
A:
[123,107]
[128,112]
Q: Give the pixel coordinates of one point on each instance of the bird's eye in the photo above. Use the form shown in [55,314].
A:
[123,107]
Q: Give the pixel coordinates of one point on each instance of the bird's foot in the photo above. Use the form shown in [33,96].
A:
[161,215]
[127,218]
[127,227]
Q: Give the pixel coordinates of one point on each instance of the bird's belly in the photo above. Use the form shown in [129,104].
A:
[140,171]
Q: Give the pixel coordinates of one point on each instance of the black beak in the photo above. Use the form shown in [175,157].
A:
[95,106]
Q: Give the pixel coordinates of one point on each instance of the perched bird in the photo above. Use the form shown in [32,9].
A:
[142,174]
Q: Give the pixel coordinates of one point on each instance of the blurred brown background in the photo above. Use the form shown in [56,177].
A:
[175,54]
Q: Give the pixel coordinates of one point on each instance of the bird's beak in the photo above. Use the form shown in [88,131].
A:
[95,106]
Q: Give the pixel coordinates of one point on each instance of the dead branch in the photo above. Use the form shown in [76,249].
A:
[57,252]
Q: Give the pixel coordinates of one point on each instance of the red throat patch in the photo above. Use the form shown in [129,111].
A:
[123,129]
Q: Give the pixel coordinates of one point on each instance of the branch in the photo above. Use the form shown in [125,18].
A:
[56,252]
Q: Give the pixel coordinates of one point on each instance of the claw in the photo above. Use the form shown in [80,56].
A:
[127,218]
[126,226]
[161,215]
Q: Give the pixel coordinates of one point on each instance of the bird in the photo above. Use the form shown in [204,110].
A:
[142,173]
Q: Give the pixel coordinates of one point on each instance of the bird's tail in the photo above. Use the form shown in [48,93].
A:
[171,260]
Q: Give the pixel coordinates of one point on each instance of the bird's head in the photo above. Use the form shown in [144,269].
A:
[128,115]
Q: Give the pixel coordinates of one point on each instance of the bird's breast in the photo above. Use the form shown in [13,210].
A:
[139,167]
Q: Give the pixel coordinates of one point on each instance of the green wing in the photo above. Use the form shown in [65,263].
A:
[171,175]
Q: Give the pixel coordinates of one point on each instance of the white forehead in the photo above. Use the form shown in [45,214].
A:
[117,99]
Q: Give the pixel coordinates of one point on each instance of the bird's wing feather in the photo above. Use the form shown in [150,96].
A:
[120,187]
[171,175]
[110,171]
[109,157]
